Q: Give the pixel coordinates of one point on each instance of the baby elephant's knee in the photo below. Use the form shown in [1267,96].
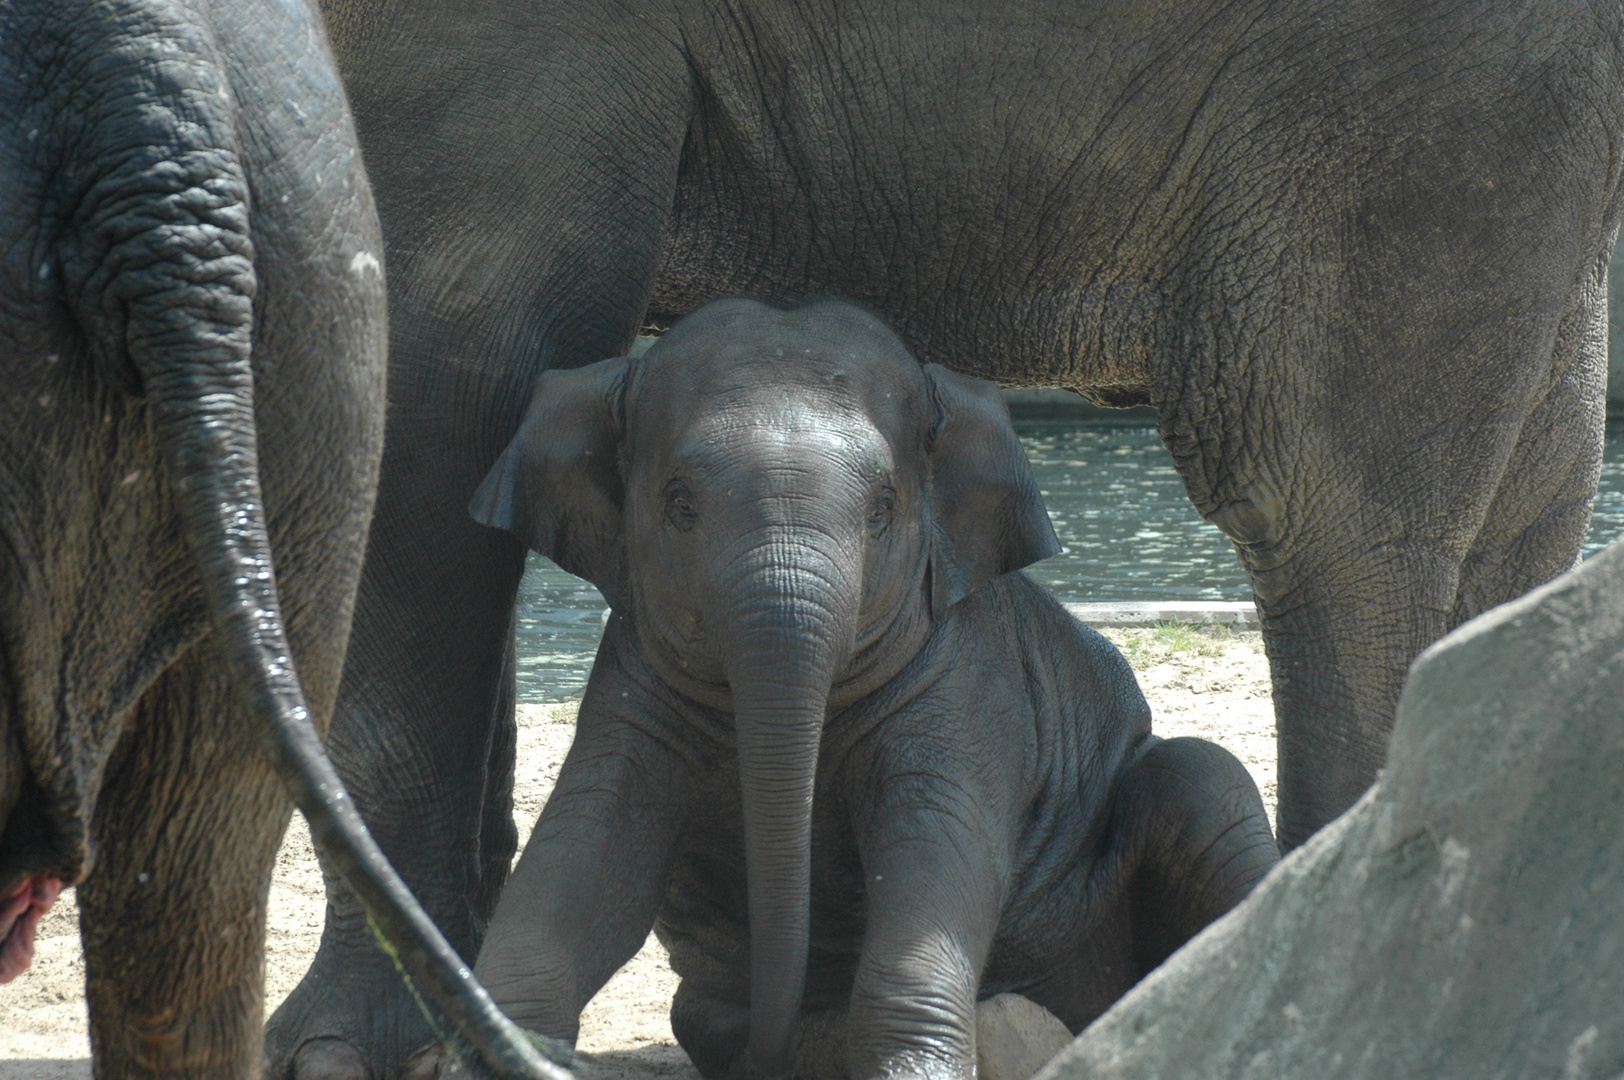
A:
[1200,837]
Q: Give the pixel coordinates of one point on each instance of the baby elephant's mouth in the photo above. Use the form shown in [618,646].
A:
[19,917]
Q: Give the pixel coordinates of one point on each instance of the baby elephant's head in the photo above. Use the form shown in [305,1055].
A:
[772,492]
[782,504]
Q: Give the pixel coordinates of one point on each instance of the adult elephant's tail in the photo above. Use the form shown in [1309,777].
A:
[190,345]
[165,285]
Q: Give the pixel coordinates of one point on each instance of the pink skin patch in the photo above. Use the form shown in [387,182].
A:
[19,916]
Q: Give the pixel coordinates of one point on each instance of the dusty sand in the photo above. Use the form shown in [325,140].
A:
[1214,684]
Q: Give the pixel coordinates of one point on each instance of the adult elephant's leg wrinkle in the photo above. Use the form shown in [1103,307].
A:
[1376,453]
[1332,649]
[432,828]
[1344,611]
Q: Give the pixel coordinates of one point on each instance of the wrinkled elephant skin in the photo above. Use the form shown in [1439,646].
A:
[192,339]
[1354,255]
[844,759]
[192,336]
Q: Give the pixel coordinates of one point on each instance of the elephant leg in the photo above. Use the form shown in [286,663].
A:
[1352,575]
[1355,551]
[498,837]
[584,894]
[1339,639]
[1196,838]
[516,241]
[935,877]
[1541,510]
[1397,542]
[1184,838]
[173,914]
[413,737]
[1352,422]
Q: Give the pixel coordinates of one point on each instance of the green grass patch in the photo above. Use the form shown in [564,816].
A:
[1201,639]
[1170,640]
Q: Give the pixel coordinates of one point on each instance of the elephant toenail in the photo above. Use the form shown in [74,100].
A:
[329,1059]
[425,1064]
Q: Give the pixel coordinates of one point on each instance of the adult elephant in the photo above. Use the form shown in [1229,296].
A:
[1355,255]
[192,342]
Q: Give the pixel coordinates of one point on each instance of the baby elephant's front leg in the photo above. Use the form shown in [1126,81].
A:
[934,876]
[586,891]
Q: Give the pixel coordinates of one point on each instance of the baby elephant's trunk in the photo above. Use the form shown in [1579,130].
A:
[792,623]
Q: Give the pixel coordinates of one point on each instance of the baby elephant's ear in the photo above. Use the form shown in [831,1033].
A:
[557,486]
[989,518]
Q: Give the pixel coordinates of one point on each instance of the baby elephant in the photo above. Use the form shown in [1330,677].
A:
[856,772]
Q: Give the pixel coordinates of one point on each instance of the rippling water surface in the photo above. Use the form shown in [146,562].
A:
[1117,505]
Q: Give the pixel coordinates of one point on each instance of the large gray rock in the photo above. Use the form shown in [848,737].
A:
[1465,919]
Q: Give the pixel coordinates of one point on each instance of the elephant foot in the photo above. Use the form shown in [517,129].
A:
[329,1059]
[1016,1037]
[436,1062]
[351,1018]
[428,1063]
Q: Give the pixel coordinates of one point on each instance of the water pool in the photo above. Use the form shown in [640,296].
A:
[1117,506]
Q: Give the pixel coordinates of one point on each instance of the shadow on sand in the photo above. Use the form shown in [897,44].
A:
[664,1061]
[60,1068]
[657,1061]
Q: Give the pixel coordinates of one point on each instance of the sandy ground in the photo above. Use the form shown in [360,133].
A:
[1214,684]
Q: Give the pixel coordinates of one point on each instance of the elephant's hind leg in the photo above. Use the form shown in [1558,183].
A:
[1541,509]
[1193,829]
[414,744]
[173,915]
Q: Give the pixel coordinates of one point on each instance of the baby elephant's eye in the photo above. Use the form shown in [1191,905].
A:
[879,518]
[679,508]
